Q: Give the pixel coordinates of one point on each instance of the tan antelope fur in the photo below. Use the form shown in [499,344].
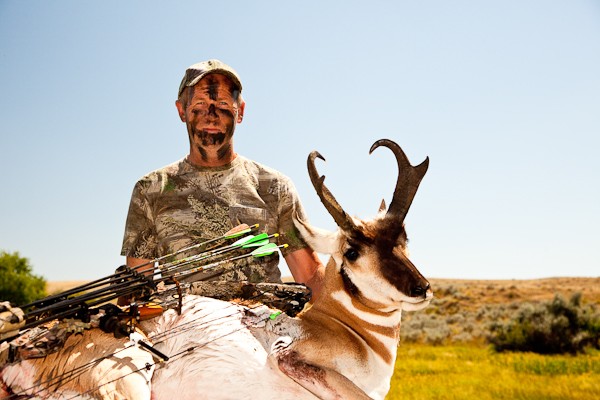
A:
[342,347]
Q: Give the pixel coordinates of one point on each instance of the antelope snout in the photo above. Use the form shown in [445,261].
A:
[420,290]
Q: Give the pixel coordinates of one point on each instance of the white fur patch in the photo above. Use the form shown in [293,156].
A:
[388,321]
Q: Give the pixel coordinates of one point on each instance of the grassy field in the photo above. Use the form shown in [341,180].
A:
[476,372]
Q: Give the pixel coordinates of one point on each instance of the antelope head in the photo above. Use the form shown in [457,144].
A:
[371,256]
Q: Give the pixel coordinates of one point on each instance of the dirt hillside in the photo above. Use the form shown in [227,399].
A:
[464,310]
[507,291]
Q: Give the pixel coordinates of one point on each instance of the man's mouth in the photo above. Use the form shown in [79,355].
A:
[211,137]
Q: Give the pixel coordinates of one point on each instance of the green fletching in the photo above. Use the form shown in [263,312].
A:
[243,240]
[246,241]
[259,237]
[274,315]
[256,244]
[240,233]
[249,240]
[265,250]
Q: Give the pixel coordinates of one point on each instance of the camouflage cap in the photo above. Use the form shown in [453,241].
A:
[195,72]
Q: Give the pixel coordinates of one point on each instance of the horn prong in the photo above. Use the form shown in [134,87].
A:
[382,206]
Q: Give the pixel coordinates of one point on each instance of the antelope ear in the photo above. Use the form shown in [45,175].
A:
[320,240]
[382,206]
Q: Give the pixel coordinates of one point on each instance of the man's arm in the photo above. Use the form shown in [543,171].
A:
[134,262]
[131,263]
[307,268]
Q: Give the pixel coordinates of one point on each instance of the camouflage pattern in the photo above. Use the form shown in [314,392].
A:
[195,72]
[181,204]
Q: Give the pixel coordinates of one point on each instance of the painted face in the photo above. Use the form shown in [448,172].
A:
[211,116]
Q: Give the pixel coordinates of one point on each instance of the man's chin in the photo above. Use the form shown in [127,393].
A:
[212,139]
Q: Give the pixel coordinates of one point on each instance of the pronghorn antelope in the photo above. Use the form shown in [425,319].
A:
[342,347]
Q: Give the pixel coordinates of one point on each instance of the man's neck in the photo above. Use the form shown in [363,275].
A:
[210,160]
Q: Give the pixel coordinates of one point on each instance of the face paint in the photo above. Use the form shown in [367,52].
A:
[211,117]
[213,87]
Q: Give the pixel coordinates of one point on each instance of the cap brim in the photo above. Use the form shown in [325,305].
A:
[197,79]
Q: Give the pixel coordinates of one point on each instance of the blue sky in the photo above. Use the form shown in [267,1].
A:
[503,96]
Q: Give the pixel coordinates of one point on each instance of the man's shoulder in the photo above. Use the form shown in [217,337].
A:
[261,169]
[175,168]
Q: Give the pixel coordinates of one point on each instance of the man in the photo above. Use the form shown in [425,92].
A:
[214,189]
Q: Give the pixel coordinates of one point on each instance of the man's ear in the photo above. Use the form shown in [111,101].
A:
[180,110]
[241,109]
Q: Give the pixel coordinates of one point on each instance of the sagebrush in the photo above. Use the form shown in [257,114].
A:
[554,327]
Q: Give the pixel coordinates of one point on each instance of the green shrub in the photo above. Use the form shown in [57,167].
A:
[554,327]
[18,284]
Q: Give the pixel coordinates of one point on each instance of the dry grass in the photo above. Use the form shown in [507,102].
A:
[463,310]
[475,293]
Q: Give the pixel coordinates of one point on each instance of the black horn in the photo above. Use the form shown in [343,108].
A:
[409,178]
[343,220]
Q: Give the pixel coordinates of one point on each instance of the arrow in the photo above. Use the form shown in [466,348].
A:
[245,242]
[256,244]
[259,240]
[266,250]
[230,234]
[81,300]
[262,251]
[237,231]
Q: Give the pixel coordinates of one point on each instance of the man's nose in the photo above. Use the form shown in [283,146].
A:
[212,111]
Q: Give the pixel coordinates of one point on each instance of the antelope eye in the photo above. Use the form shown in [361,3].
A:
[351,254]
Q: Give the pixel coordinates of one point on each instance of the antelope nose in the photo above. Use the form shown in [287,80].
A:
[420,291]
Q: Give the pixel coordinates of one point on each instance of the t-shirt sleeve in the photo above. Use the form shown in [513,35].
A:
[140,239]
[290,205]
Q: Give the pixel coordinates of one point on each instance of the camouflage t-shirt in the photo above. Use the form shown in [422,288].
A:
[181,204]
